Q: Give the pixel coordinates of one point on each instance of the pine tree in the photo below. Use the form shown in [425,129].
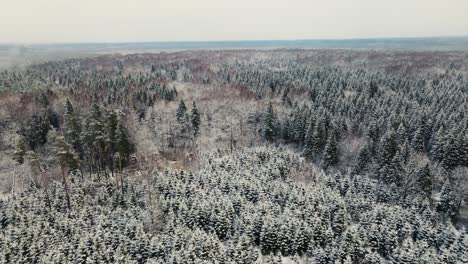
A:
[20,151]
[285,98]
[72,128]
[244,251]
[65,156]
[449,203]
[308,146]
[124,146]
[270,126]
[373,89]
[453,155]
[112,123]
[196,120]
[388,148]
[286,128]
[438,145]
[94,139]
[391,172]
[319,137]
[373,132]
[404,153]
[330,154]
[363,160]
[181,112]
[401,134]
[418,140]
[424,180]
[35,131]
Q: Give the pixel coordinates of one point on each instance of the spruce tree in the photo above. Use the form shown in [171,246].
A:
[111,137]
[308,146]
[453,155]
[425,181]
[65,156]
[20,151]
[35,131]
[388,148]
[181,111]
[363,160]
[330,154]
[124,146]
[391,172]
[319,137]
[72,128]
[286,128]
[437,151]
[373,89]
[196,120]
[270,128]
[449,203]
[94,139]
[373,132]
[401,134]
[418,140]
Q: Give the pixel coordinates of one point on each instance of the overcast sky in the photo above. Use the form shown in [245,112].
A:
[47,21]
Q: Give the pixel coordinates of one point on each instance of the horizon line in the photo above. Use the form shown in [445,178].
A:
[229,41]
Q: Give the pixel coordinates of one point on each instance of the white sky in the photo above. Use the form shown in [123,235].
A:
[46,21]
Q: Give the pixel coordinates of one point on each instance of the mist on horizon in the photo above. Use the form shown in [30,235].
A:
[67,21]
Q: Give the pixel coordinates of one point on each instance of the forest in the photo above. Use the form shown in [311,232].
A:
[236,156]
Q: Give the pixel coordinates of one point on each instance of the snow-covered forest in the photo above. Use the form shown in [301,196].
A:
[279,156]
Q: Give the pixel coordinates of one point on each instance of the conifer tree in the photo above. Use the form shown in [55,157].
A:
[390,172]
[449,203]
[20,151]
[404,152]
[373,132]
[418,140]
[330,154]
[453,155]
[319,137]
[181,111]
[123,143]
[18,157]
[425,181]
[94,139]
[438,145]
[363,159]
[286,128]
[308,145]
[388,148]
[65,156]
[401,134]
[111,130]
[196,120]
[270,126]
[373,89]
[72,128]
[35,131]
